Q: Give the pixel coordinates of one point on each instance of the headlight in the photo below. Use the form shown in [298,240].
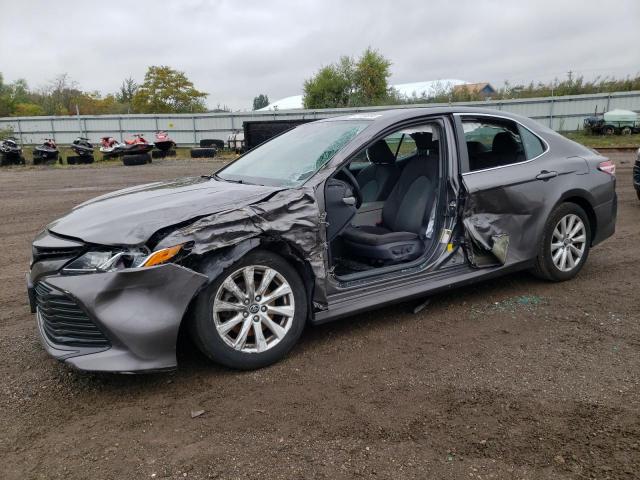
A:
[111,260]
[106,261]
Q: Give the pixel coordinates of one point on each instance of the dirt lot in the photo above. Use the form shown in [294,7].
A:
[513,378]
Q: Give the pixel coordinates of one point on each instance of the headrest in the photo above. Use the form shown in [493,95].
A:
[423,140]
[504,143]
[475,148]
[380,153]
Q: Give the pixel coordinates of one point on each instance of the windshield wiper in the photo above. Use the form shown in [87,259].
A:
[220,179]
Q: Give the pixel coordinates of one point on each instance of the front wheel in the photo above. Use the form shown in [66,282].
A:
[252,314]
[565,244]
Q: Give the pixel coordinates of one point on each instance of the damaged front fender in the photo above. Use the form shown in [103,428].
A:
[290,215]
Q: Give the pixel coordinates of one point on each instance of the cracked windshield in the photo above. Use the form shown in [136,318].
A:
[293,157]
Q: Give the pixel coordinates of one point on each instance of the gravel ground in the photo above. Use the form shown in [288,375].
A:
[512,378]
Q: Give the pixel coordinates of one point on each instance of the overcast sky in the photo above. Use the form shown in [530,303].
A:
[234,50]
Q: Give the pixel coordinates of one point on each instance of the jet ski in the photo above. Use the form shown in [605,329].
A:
[84,149]
[46,153]
[163,142]
[110,147]
[10,152]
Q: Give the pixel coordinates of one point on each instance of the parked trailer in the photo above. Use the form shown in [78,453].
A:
[259,131]
[620,122]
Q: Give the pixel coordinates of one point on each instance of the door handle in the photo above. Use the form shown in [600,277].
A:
[349,201]
[545,175]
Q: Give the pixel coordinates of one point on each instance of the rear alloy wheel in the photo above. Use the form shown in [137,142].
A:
[253,314]
[565,244]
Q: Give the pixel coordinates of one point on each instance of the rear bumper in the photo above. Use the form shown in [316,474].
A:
[138,310]
[606,215]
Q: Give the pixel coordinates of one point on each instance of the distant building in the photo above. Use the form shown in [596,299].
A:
[425,89]
[484,89]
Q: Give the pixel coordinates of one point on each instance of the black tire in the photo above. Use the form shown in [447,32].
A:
[136,159]
[211,343]
[626,131]
[203,152]
[72,160]
[638,194]
[544,267]
[212,142]
[171,153]
[609,130]
[86,159]
[158,154]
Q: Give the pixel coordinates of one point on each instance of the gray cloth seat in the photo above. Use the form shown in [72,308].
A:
[404,216]
[377,180]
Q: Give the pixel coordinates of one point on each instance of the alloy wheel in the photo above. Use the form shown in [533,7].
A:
[568,242]
[253,309]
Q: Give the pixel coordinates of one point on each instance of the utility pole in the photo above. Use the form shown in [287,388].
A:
[570,75]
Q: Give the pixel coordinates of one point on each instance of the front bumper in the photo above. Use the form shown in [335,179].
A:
[139,311]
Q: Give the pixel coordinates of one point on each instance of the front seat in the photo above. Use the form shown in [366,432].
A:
[404,216]
[377,180]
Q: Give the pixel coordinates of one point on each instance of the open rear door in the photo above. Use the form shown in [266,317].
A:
[509,180]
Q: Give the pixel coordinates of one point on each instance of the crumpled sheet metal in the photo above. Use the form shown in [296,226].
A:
[291,215]
[140,310]
[501,221]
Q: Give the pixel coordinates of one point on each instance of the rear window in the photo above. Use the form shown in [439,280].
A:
[533,146]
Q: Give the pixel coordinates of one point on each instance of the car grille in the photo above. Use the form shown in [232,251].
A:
[46,253]
[64,322]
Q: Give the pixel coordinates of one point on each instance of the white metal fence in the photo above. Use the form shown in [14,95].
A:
[559,113]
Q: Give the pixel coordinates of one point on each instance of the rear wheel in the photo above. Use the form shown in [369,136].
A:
[565,244]
[626,131]
[252,314]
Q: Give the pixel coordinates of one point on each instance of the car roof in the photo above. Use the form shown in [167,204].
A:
[400,114]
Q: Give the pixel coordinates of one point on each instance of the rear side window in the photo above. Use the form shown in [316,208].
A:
[533,146]
[492,143]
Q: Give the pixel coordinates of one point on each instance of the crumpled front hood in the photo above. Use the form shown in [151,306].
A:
[132,215]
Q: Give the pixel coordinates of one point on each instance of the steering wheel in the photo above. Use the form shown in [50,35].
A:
[355,188]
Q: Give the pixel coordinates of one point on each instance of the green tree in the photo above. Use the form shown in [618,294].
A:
[260,101]
[370,78]
[348,83]
[329,88]
[166,90]
[127,90]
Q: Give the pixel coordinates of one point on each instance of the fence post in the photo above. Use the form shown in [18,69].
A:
[551,113]
[53,129]
[608,101]
[120,129]
[20,132]
[157,128]
[195,138]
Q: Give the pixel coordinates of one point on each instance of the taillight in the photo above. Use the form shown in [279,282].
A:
[607,167]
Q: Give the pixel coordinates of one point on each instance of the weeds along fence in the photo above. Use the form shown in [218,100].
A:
[560,113]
